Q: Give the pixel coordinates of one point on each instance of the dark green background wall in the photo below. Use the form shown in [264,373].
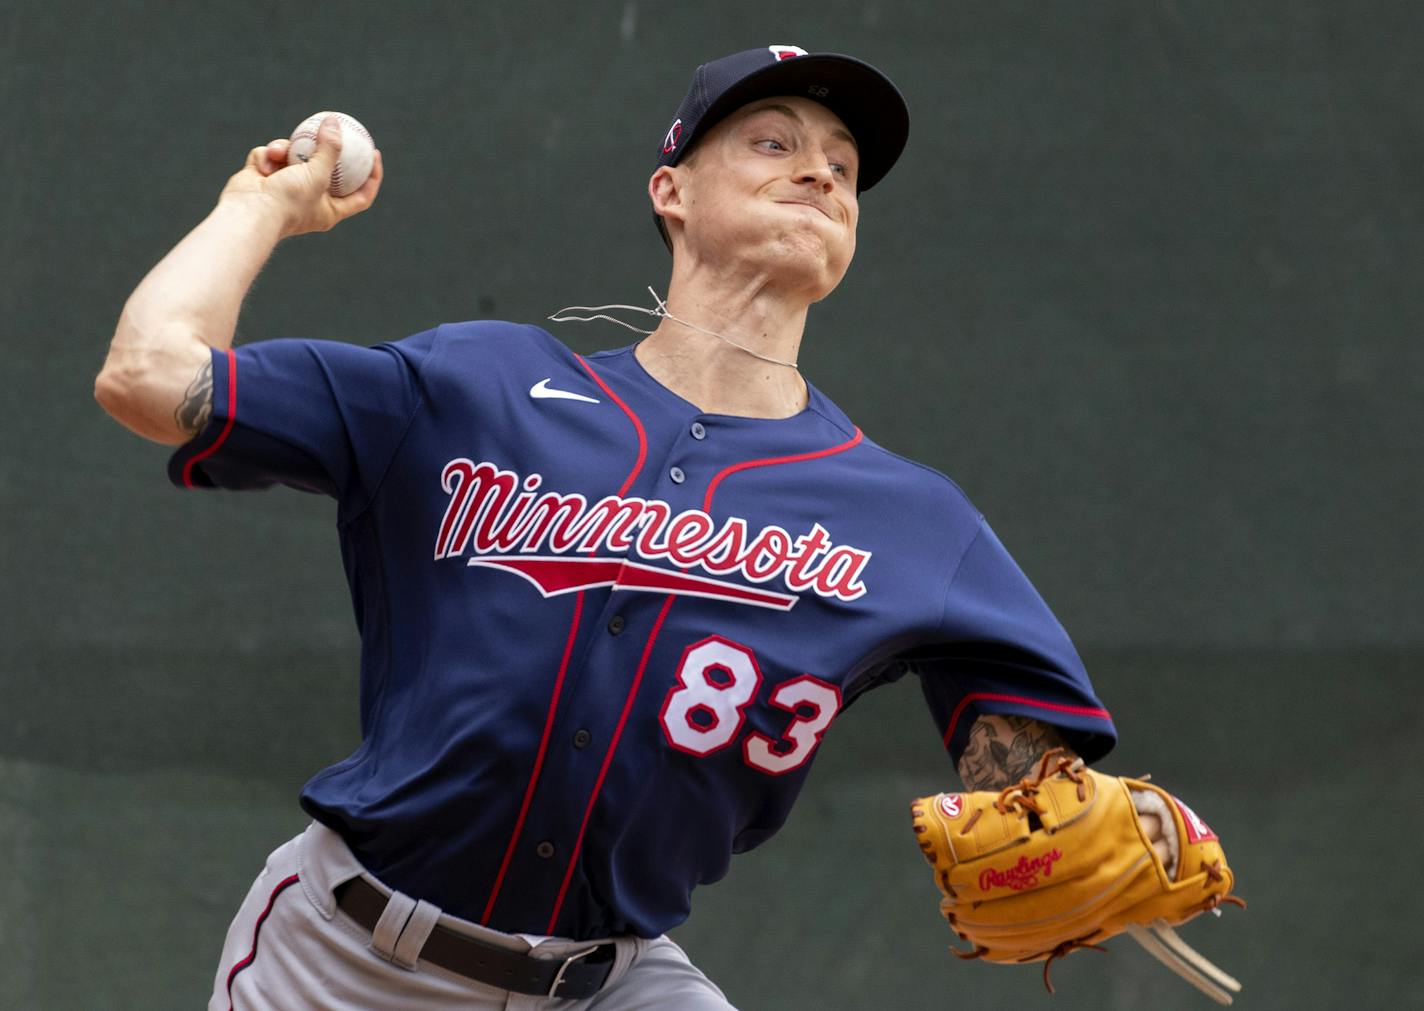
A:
[1146,283]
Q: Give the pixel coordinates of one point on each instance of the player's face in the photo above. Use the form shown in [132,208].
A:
[775,183]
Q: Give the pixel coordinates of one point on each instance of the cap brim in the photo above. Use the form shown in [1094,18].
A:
[869,104]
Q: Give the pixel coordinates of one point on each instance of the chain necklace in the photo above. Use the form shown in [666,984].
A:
[661,312]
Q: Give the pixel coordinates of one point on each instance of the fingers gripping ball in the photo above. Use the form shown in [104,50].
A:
[358,151]
[1061,861]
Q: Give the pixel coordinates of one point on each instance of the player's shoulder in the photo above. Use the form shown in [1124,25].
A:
[890,470]
[927,479]
[495,337]
[483,347]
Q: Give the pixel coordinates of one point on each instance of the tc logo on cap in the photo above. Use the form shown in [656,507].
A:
[786,52]
[670,141]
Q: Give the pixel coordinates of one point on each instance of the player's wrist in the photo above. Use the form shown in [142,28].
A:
[256,214]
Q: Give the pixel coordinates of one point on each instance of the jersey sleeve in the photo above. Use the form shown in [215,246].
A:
[320,416]
[1000,650]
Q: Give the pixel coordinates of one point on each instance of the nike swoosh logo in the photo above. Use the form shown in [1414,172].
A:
[541,391]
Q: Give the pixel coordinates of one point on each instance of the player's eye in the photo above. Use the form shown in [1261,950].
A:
[771,144]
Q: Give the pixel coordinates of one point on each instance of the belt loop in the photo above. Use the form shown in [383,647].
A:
[324,862]
[388,928]
[413,937]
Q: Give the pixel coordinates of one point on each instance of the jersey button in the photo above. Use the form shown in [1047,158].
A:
[545,849]
[698,432]
[677,475]
[582,738]
[616,624]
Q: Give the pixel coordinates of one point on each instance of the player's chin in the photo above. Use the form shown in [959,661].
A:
[810,262]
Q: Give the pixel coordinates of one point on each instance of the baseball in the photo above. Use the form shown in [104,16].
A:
[358,151]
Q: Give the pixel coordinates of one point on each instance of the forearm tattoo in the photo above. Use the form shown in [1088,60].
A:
[1004,749]
[197,406]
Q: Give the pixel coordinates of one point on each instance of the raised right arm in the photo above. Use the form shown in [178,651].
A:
[157,379]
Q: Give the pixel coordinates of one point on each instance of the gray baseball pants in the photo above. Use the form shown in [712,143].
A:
[291,949]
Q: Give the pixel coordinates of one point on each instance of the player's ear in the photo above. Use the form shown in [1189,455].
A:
[665,190]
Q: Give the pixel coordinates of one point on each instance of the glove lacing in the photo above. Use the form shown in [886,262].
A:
[1060,951]
[1021,795]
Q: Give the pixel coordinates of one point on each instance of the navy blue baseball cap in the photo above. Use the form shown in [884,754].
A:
[866,101]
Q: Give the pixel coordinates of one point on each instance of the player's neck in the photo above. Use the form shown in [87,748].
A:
[717,376]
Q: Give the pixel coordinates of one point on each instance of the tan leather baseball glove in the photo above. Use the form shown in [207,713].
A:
[1061,861]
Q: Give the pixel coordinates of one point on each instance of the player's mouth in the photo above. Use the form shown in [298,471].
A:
[811,204]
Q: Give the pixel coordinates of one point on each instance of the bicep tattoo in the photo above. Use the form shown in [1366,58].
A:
[1004,749]
[197,406]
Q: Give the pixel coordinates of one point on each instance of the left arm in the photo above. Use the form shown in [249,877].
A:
[1004,749]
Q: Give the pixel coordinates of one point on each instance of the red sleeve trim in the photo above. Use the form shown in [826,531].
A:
[637,425]
[1019,700]
[227,428]
[773,460]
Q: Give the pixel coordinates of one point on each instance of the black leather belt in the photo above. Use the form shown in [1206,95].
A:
[581,974]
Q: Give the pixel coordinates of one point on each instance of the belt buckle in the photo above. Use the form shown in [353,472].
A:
[559,976]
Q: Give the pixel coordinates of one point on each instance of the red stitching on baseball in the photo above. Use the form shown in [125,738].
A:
[311,134]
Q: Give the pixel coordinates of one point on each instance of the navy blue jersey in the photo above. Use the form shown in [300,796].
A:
[603,633]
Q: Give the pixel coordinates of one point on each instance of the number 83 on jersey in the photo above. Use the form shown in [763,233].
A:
[717,680]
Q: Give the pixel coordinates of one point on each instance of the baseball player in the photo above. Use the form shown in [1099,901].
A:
[609,606]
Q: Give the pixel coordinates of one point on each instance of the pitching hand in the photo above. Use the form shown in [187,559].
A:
[300,192]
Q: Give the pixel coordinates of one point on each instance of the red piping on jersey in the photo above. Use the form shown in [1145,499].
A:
[1019,700]
[608,760]
[771,460]
[538,760]
[282,886]
[559,682]
[658,624]
[231,417]
[637,425]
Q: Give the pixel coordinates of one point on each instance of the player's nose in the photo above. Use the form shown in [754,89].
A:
[815,168]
